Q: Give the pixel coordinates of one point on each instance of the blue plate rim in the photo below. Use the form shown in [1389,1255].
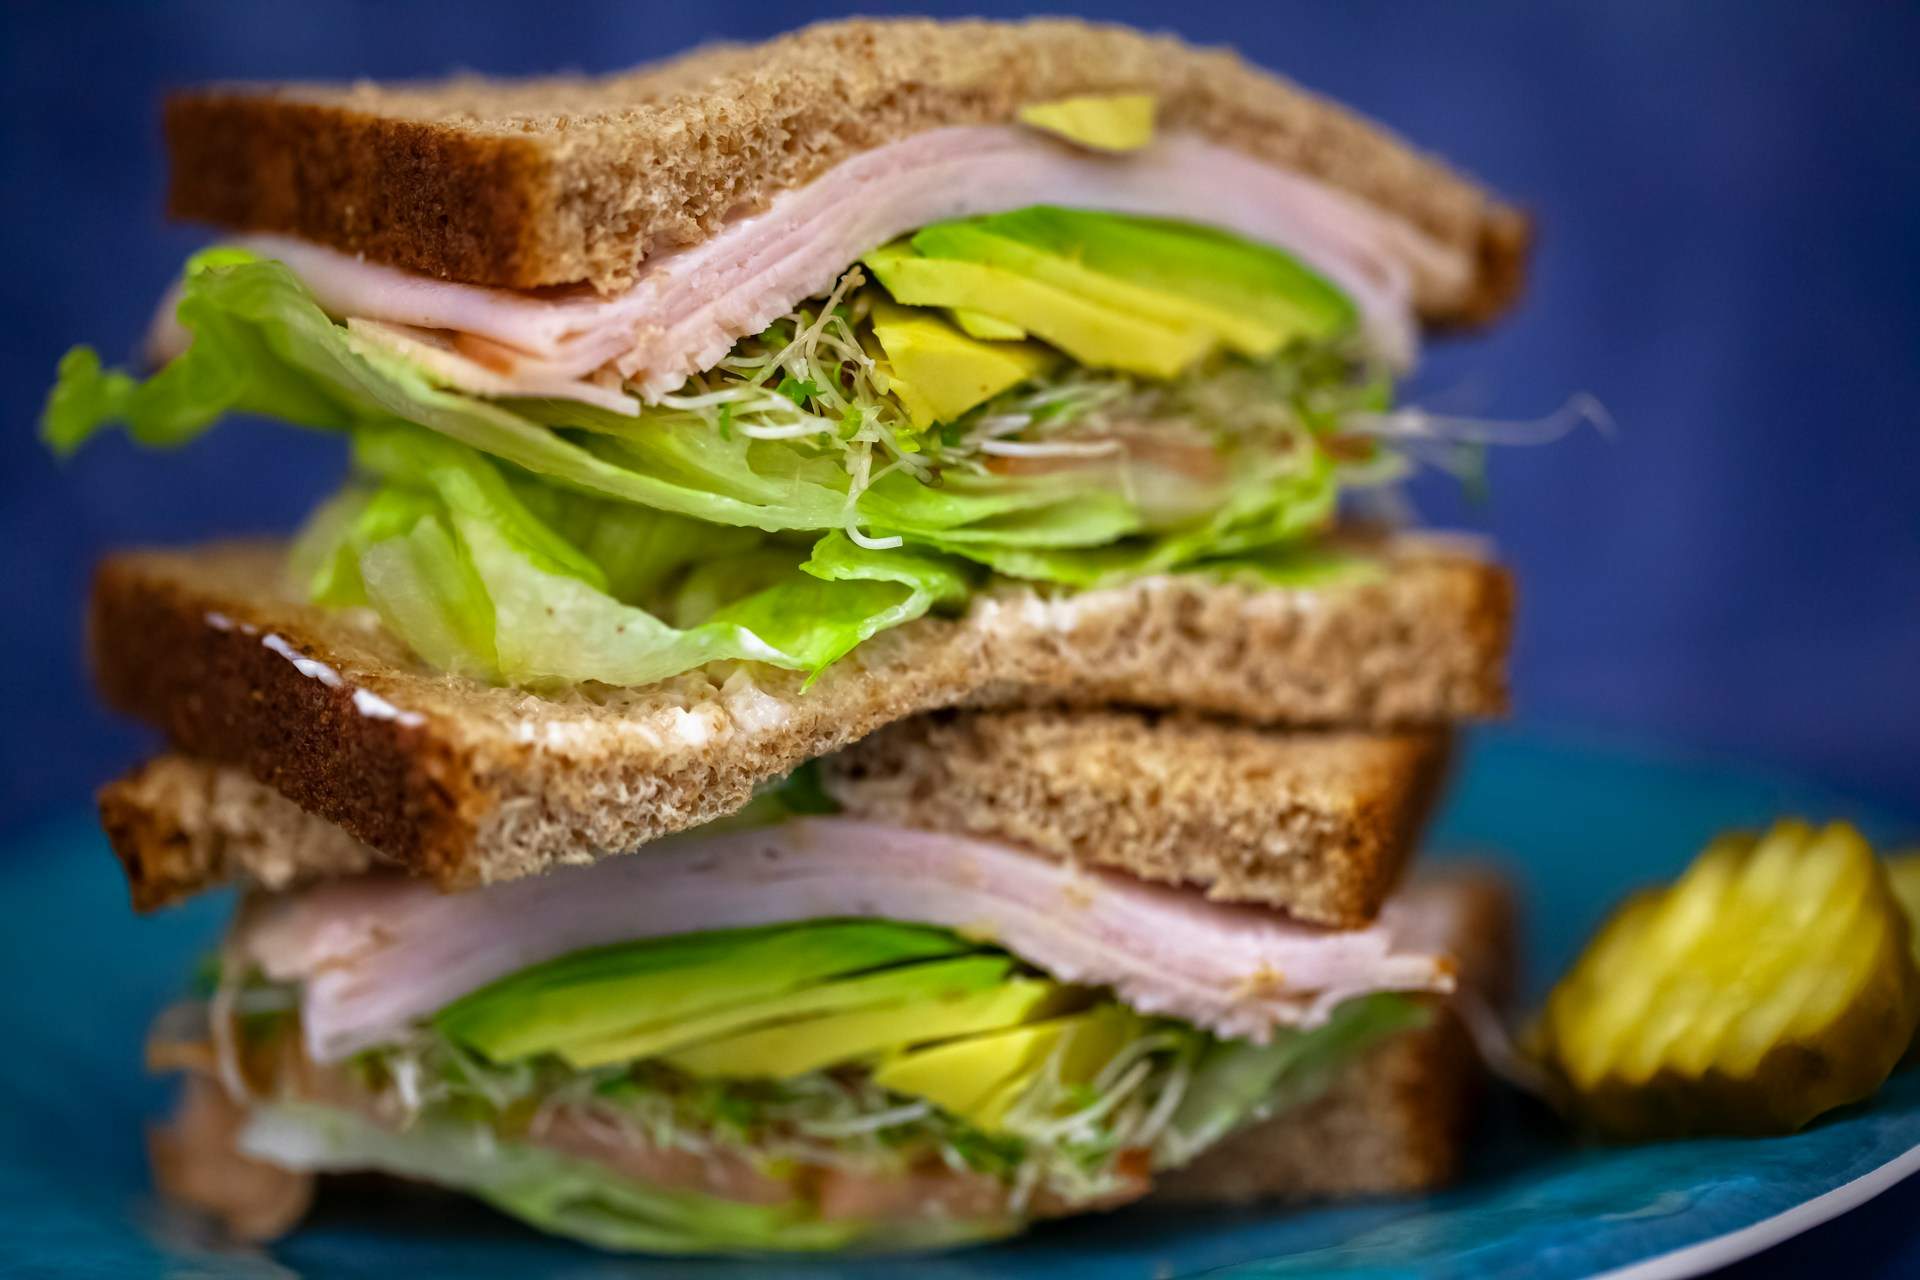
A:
[1733,1246]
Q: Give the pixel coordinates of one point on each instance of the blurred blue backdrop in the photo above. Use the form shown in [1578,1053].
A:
[1728,200]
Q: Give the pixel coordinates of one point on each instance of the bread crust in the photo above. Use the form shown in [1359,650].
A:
[1315,824]
[179,826]
[467,784]
[1318,824]
[530,183]
[404,192]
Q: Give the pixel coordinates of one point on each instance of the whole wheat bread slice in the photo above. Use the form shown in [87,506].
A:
[1316,824]
[467,784]
[555,181]
[179,826]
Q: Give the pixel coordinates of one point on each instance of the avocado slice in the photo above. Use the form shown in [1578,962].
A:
[794,1048]
[979,325]
[973,241]
[599,992]
[1094,334]
[657,1038]
[981,1077]
[1267,290]
[939,372]
[964,1076]
[1087,1044]
[1101,121]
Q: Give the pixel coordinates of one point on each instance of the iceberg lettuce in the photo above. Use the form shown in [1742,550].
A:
[459,566]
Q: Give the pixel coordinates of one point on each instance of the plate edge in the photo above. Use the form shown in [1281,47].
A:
[1744,1242]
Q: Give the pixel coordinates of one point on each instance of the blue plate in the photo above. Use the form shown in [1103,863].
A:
[1578,825]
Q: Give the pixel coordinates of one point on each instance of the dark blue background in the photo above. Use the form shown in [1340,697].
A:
[1728,200]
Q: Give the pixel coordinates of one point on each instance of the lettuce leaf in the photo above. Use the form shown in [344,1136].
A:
[1300,567]
[458,564]
[1278,511]
[1240,1082]
[254,351]
[572,1197]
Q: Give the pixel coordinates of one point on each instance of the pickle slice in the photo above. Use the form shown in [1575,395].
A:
[1903,873]
[1771,983]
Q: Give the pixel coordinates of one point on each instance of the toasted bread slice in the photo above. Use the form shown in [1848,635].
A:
[1316,824]
[180,825]
[467,783]
[1396,1122]
[556,181]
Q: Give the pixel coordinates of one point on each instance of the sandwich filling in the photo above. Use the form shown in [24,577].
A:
[812,1033]
[865,402]
[691,306]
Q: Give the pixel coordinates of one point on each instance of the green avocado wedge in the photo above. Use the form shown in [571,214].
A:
[787,1049]
[804,1022]
[592,995]
[1070,272]
[979,1077]
[1261,293]
[1097,335]
[939,372]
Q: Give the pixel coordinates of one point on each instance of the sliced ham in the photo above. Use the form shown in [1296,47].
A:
[375,955]
[690,306]
[482,367]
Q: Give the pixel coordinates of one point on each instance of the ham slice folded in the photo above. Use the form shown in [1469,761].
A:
[690,306]
[376,955]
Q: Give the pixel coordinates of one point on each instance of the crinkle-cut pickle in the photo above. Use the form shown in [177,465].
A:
[1773,982]
[1903,872]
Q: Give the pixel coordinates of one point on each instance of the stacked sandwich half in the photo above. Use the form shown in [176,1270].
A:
[837,708]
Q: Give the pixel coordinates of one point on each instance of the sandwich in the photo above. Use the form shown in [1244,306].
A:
[815,1025]
[838,707]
